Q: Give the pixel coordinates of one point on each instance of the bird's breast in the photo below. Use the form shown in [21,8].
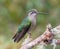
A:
[33,20]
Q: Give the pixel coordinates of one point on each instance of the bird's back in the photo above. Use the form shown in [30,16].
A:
[23,24]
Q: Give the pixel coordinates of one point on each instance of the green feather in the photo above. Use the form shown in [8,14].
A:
[25,22]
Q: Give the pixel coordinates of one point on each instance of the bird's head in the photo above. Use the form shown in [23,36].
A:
[34,12]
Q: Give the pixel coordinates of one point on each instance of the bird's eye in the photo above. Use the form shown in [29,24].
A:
[33,12]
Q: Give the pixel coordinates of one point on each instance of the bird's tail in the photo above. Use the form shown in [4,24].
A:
[18,36]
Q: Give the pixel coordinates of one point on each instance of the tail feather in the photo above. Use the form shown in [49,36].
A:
[20,35]
[14,35]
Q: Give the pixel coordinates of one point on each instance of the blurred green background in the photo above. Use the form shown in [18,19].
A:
[12,12]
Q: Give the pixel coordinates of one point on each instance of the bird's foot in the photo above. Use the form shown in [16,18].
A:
[29,35]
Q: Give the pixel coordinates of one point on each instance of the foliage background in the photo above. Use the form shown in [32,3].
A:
[12,13]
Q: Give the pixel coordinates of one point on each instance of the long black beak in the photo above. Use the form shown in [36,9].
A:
[42,13]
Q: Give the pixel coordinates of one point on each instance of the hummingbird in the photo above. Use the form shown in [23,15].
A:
[26,25]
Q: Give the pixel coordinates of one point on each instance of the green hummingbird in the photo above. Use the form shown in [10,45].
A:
[26,25]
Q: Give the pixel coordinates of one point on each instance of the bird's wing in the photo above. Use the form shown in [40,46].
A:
[22,29]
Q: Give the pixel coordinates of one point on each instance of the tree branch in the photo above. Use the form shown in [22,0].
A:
[47,37]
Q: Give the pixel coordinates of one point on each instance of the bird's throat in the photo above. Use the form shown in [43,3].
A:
[32,19]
